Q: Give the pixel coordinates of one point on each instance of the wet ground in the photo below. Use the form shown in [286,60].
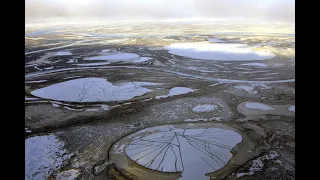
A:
[97,97]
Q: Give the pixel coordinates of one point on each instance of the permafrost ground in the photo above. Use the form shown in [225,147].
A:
[160,101]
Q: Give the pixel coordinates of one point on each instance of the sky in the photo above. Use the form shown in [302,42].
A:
[264,10]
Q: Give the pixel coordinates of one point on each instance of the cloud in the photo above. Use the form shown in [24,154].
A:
[279,10]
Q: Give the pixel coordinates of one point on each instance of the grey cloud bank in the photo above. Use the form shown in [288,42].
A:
[265,10]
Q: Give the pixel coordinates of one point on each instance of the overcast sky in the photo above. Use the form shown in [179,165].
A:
[266,10]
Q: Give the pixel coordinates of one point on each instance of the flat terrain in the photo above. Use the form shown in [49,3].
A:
[92,91]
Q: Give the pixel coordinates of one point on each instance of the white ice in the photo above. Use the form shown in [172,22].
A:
[193,151]
[55,105]
[70,61]
[114,57]
[255,64]
[118,57]
[180,90]
[292,108]
[204,108]
[44,155]
[176,91]
[253,105]
[90,90]
[63,53]
[224,52]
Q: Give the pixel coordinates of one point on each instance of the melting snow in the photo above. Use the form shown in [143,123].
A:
[249,89]
[204,108]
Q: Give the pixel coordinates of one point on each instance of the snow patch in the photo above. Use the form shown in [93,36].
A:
[255,64]
[204,108]
[176,91]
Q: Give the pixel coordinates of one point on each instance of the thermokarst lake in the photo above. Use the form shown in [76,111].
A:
[165,100]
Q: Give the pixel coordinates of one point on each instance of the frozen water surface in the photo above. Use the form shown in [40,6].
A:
[223,52]
[253,105]
[142,59]
[120,56]
[176,91]
[193,151]
[180,90]
[63,53]
[90,90]
[292,108]
[44,155]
